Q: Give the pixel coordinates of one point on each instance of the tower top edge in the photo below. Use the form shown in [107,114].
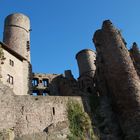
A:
[84,51]
[18,20]
[17,15]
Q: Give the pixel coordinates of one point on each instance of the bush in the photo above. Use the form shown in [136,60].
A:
[80,123]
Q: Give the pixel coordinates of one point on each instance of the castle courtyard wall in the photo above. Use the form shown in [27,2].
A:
[28,115]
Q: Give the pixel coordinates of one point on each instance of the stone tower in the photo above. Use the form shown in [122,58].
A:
[16,71]
[86,64]
[17,34]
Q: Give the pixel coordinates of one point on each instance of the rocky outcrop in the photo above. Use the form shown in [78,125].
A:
[120,78]
[135,56]
[105,121]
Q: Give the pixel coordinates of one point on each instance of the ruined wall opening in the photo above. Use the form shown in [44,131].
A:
[35,93]
[35,82]
[11,62]
[28,45]
[53,111]
[10,79]
[45,93]
[45,82]
[89,90]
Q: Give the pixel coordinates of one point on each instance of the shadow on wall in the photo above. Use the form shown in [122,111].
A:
[98,106]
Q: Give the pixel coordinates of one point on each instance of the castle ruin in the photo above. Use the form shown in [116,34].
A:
[108,87]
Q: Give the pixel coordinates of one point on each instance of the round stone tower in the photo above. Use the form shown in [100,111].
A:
[86,64]
[17,34]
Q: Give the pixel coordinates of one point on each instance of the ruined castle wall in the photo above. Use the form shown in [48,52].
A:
[28,115]
[121,77]
[53,81]
[69,87]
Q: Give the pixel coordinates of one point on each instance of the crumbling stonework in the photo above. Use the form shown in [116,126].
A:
[86,64]
[69,87]
[108,88]
[28,116]
[122,81]
[45,83]
[135,56]
[55,84]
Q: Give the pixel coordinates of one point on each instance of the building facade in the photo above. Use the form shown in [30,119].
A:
[15,54]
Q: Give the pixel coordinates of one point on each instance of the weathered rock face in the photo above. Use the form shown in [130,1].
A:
[120,78]
[106,121]
[135,56]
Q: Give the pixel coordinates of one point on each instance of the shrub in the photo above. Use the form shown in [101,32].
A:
[80,123]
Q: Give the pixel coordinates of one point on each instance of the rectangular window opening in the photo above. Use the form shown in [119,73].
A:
[53,111]
[10,79]
[35,82]
[45,93]
[28,45]
[11,62]
[35,93]
[45,82]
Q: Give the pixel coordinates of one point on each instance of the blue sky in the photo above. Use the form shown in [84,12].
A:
[61,28]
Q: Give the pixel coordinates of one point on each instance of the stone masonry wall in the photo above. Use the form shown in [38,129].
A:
[6,68]
[31,115]
[121,78]
[26,77]
[17,34]
[53,81]
[20,72]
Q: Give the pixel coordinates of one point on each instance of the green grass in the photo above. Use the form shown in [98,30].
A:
[80,123]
